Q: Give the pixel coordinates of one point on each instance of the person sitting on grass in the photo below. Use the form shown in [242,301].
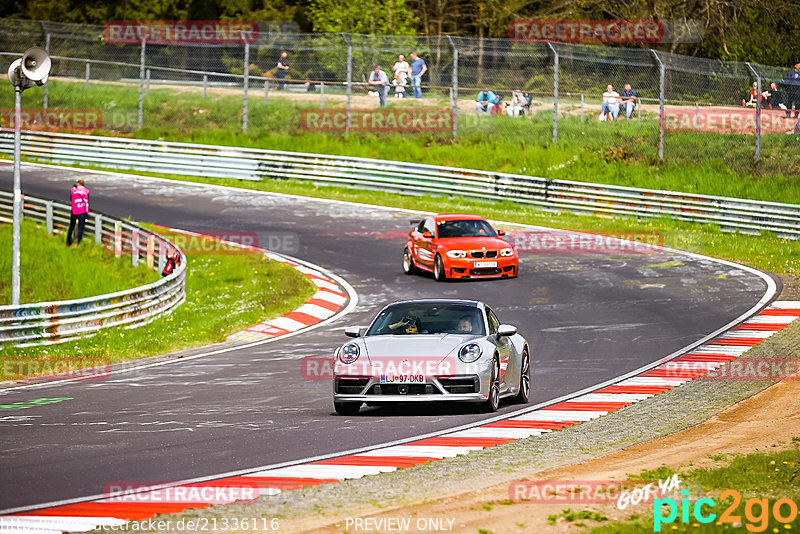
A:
[485,101]
[610,106]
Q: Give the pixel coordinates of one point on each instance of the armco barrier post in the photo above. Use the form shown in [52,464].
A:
[135,248]
[246,83]
[162,255]
[205,85]
[151,239]
[46,84]
[147,78]
[322,95]
[98,229]
[117,239]
[266,91]
[88,75]
[48,217]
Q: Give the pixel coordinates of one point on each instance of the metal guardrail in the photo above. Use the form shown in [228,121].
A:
[751,216]
[54,322]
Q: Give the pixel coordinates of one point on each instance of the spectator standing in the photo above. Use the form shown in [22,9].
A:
[402,68]
[610,106]
[379,79]
[79,198]
[418,70]
[282,67]
[486,99]
[628,97]
[792,85]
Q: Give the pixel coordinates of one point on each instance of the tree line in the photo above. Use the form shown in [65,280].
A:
[762,31]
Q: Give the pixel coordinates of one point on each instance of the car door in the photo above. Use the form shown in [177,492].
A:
[424,247]
[507,367]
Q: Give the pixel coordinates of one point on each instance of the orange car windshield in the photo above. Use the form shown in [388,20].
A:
[465,228]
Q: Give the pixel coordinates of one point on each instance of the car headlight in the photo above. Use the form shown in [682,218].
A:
[349,353]
[457,253]
[507,252]
[470,352]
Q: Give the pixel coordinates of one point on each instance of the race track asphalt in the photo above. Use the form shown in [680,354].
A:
[587,317]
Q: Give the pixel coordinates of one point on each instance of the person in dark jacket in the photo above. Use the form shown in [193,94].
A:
[774,97]
[792,85]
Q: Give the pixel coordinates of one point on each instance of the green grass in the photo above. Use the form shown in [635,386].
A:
[49,270]
[224,294]
[769,476]
[622,153]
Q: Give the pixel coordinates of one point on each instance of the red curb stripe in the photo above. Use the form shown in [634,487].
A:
[589,406]
[641,390]
[130,511]
[390,461]
[740,341]
[328,290]
[678,372]
[781,311]
[542,425]
[328,305]
[700,357]
[462,442]
[301,317]
[285,483]
[266,329]
[764,327]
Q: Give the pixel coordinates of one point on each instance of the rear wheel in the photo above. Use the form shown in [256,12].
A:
[438,269]
[408,262]
[347,408]
[493,402]
[524,393]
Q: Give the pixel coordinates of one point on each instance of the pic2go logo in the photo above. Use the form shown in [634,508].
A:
[756,511]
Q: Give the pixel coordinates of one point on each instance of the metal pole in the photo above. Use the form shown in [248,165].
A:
[322,95]
[349,80]
[661,118]
[46,84]
[205,84]
[582,99]
[455,87]
[696,114]
[246,83]
[98,229]
[147,88]
[48,217]
[141,85]
[15,239]
[758,111]
[555,92]
[266,91]
[88,75]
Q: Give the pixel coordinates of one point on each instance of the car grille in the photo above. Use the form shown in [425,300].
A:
[485,272]
[350,386]
[402,389]
[480,254]
[461,384]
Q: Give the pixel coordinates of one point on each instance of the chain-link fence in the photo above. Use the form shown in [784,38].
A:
[687,109]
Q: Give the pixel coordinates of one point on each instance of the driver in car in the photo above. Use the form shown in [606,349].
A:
[409,324]
[465,325]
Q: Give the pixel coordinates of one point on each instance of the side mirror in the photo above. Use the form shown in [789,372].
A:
[352,331]
[506,330]
[501,232]
[427,235]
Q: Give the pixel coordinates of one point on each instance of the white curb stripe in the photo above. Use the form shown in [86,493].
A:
[653,381]
[495,432]
[560,415]
[612,397]
[315,311]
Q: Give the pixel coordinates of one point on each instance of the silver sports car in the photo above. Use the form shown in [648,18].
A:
[432,350]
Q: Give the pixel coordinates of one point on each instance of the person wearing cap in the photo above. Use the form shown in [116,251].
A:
[379,79]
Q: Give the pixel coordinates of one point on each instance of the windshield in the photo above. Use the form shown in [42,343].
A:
[428,318]
[465,228]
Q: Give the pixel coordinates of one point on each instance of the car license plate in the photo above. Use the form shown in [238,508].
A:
[402,379]
[484,264]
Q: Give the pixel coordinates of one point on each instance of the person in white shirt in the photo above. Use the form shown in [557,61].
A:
[610,106]
[402,68]
[517,104]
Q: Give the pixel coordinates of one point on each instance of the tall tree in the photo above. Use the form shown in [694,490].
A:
[373,17]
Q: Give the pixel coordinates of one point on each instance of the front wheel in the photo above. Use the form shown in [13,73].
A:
[438,269]
[493,402]
[347,408]
[408,262]
[524,393]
